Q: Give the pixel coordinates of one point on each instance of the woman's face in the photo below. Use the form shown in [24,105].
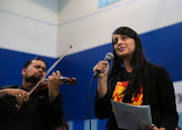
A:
[124,46]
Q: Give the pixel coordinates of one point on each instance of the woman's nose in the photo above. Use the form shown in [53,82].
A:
[120,41]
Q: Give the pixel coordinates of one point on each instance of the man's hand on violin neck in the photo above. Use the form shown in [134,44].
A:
[54,83]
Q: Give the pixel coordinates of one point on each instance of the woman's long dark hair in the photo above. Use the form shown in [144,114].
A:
[137,62]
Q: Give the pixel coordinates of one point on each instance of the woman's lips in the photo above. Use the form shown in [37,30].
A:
[121,49]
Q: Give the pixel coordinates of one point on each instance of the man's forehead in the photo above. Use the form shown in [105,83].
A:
[38,62]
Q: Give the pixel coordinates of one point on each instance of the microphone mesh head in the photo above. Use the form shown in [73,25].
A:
[109,57]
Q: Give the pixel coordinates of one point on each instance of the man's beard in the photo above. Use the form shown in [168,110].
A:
[32,79]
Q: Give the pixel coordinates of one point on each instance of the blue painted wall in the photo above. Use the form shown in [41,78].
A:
[11,64]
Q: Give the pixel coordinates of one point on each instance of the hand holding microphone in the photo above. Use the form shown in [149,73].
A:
[103,66]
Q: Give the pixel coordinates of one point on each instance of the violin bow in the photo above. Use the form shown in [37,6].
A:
[18,106]
[49,70]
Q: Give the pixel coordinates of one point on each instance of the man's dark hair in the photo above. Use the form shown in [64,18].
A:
[30,61]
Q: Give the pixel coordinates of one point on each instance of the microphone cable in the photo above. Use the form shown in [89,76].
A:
[89,97]
[109,57]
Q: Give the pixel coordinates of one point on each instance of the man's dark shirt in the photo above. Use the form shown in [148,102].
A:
[35,114]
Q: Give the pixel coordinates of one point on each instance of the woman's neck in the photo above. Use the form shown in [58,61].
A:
[127,65]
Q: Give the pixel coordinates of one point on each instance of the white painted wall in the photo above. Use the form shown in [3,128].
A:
[178,92]
[29,26]
[84,25]
[49,27]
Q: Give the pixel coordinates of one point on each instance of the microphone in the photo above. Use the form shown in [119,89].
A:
[109,57]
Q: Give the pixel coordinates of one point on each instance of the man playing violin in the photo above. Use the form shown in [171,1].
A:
[40,110]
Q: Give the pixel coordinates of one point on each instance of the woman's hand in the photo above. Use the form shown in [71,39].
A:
[156,128]
[103,68]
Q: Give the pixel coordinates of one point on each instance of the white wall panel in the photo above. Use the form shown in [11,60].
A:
[89,27]
[31,26]
[178,92]
[45,10]
[28,26]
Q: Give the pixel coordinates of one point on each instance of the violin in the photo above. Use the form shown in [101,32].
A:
[44,84]
[71,81]
[67,80]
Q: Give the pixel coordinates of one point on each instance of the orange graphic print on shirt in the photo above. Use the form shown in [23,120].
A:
[118,97]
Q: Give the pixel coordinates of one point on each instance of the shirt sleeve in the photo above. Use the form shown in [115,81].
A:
[103,106]
[168,111]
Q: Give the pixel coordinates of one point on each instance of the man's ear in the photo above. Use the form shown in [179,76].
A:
[23,71]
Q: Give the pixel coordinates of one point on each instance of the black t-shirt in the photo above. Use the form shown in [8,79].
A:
[36,114]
